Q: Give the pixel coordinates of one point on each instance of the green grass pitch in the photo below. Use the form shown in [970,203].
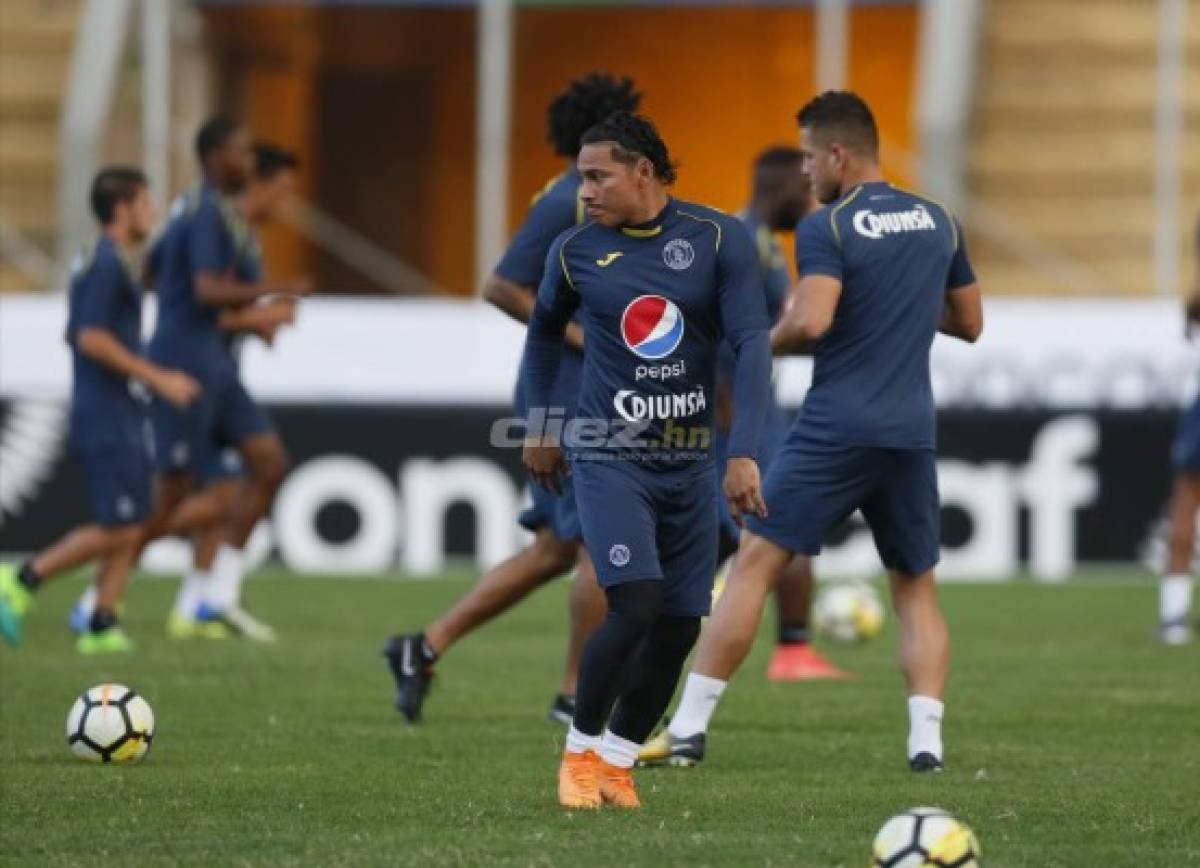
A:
[1073,741]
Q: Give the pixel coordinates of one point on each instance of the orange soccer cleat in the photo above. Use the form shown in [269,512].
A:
[802,662]
[578,783]
[616,786]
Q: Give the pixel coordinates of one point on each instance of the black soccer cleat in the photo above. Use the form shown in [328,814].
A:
[562,710]
[669,750]
[412,668]
[926,762]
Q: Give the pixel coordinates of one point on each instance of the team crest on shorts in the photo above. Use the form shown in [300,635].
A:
[618,555]
[125,507]
[180,453]
[678,254]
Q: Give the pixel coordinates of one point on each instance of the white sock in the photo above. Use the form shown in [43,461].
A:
[577,742]
[87,600]
[700,697]
[925,726]
[191,591]
[225,589]
[617,751]
[1175,597]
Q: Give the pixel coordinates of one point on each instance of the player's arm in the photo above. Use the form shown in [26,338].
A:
[557,300]
[518,302]
[811,305]
[743,307]
[94,338]
[1192,305]
[213,276]
[962,316]
[262,320]
[513,285]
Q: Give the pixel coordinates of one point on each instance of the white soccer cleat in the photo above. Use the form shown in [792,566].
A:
[248,626]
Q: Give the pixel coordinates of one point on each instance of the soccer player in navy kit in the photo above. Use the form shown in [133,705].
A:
[223,472]
[658,283]
[1175,590]
[108,416]
[882,271]
[553,518]
[197,280]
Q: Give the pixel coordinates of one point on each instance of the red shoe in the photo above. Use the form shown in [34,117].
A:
[802,662]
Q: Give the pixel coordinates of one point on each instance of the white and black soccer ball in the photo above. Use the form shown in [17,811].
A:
[110,723]
[925,838]
[848,612]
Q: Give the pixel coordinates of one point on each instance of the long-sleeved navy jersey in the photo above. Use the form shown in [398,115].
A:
[655,300]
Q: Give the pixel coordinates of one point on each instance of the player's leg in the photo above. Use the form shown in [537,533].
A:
[809,488]
[903,513]
[188,618]
[623,544]
[411,656]
[104,634]
[1175,589]
[241,421]
[587,609]
[795,658]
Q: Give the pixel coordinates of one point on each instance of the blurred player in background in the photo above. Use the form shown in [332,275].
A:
[1175,590]
[553,519]
[197,610]
[781,198]
[659,284]
[882,271]
[108,416]
[206,270]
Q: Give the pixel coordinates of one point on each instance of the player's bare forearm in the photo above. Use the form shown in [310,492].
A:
[1192,307]
[518,302]
[102,347]
[214,290]
[790,339]
[962,316]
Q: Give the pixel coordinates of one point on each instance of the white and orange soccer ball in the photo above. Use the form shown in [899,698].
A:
[925,838]
[110,723]
[848,612]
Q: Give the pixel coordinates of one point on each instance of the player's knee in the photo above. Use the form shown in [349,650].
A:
[123,536]
[637,604]
[675,635]
[270,470]
[554,556]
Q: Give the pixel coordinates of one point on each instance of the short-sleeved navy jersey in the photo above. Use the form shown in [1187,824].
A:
[896,255]
[205,233]
[104,295]
[656,301]
[554,209]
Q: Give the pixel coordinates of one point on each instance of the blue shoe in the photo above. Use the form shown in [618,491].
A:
[79,620]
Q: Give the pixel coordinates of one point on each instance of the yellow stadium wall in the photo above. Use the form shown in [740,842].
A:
[722,82]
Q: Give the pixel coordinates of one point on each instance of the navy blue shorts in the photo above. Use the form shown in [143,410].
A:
[1185,451]
[651,525]
[184,440]
[119,482]
[813,486]
[556,512]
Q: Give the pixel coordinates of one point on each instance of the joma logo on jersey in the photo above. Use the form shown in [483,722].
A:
[872,225]
[609,258]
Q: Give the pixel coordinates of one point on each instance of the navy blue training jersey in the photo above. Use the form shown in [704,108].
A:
[896,255]
[775,280]
[104,295]
[555,209]
[656,301]
[205,233]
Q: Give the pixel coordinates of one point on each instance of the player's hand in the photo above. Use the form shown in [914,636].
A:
[546,463]
[743,489]
[177,388]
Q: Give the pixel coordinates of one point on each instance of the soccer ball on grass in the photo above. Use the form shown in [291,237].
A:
[849,612]
[110,723]
[925,838]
